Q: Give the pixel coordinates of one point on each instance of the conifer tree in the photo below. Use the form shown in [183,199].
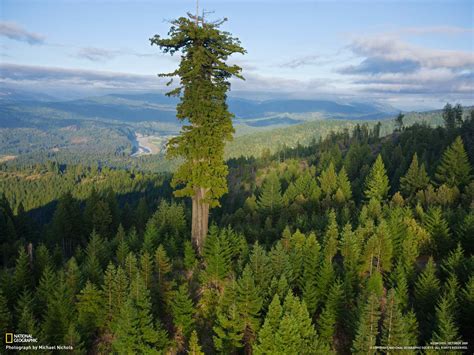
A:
[328,319]
[454,168]
[270,199]
[438,228]
[427,289]
[377,184]
[217,258]
[182,309]
[259,264]
[415,179]
[266,337]
[146,268]
[204,82]
[394,327]
[249,305]
[189,259]
[73,339]
[310,273]
[22,271]
[368,328]
[91,311]
[328,181]
[135,331]
[25,312]
[446,329]
[194,348]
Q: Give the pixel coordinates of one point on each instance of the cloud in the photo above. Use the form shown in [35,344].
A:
[15,32]
[394,49]
[73,78]
[95,54]
[389,66]
[302,61]
[376,65]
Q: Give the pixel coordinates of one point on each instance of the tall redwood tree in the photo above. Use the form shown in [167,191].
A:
[204,81]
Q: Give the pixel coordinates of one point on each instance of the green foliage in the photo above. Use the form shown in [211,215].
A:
[377,184]
[135,331]
[415,179]
[288,330]
[182,309]
[202,103]
[368,329]
[270,200]
[454,168]
[194,347]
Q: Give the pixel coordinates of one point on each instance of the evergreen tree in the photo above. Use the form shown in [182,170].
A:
[217,258]
[22,271]
[427,290]
[310,273]
[270,199]
[328,319]
[368,328]
[394,327]
[182,309]
[204,82]
[266,337]
[91,311]
[25,312]
[377,184]
[189,259]
[454,168]
[399,122]
[449,117]
[194,347]
[135,331]
[415,179]
[446,329]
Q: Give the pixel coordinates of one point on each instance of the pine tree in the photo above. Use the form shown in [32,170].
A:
[217,258]
[73,339]
[189,259]
[249,305]
[427,290]
[394,328]
[270,199]
[146,268]
[91,311]
[58,314]
[122,248]
[344,184]
[203,104]
[310,273]
[22,271]
[377,184]
[194,348]
[438,228]
[328,181]
[415,179]
[454,168]
[266,337]
[446,329]
[182,309]
[259,264]
[25,311]
[135,331]
[328,319]
[368,328]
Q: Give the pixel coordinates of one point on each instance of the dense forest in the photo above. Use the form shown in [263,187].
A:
[349,243]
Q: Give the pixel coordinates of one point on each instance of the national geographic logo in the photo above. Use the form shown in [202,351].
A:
[11,338]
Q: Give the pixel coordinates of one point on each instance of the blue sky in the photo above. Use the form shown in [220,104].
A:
[411,54]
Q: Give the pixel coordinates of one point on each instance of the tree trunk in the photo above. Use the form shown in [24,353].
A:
[200,218]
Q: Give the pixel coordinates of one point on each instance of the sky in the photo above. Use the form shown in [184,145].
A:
[409,54]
